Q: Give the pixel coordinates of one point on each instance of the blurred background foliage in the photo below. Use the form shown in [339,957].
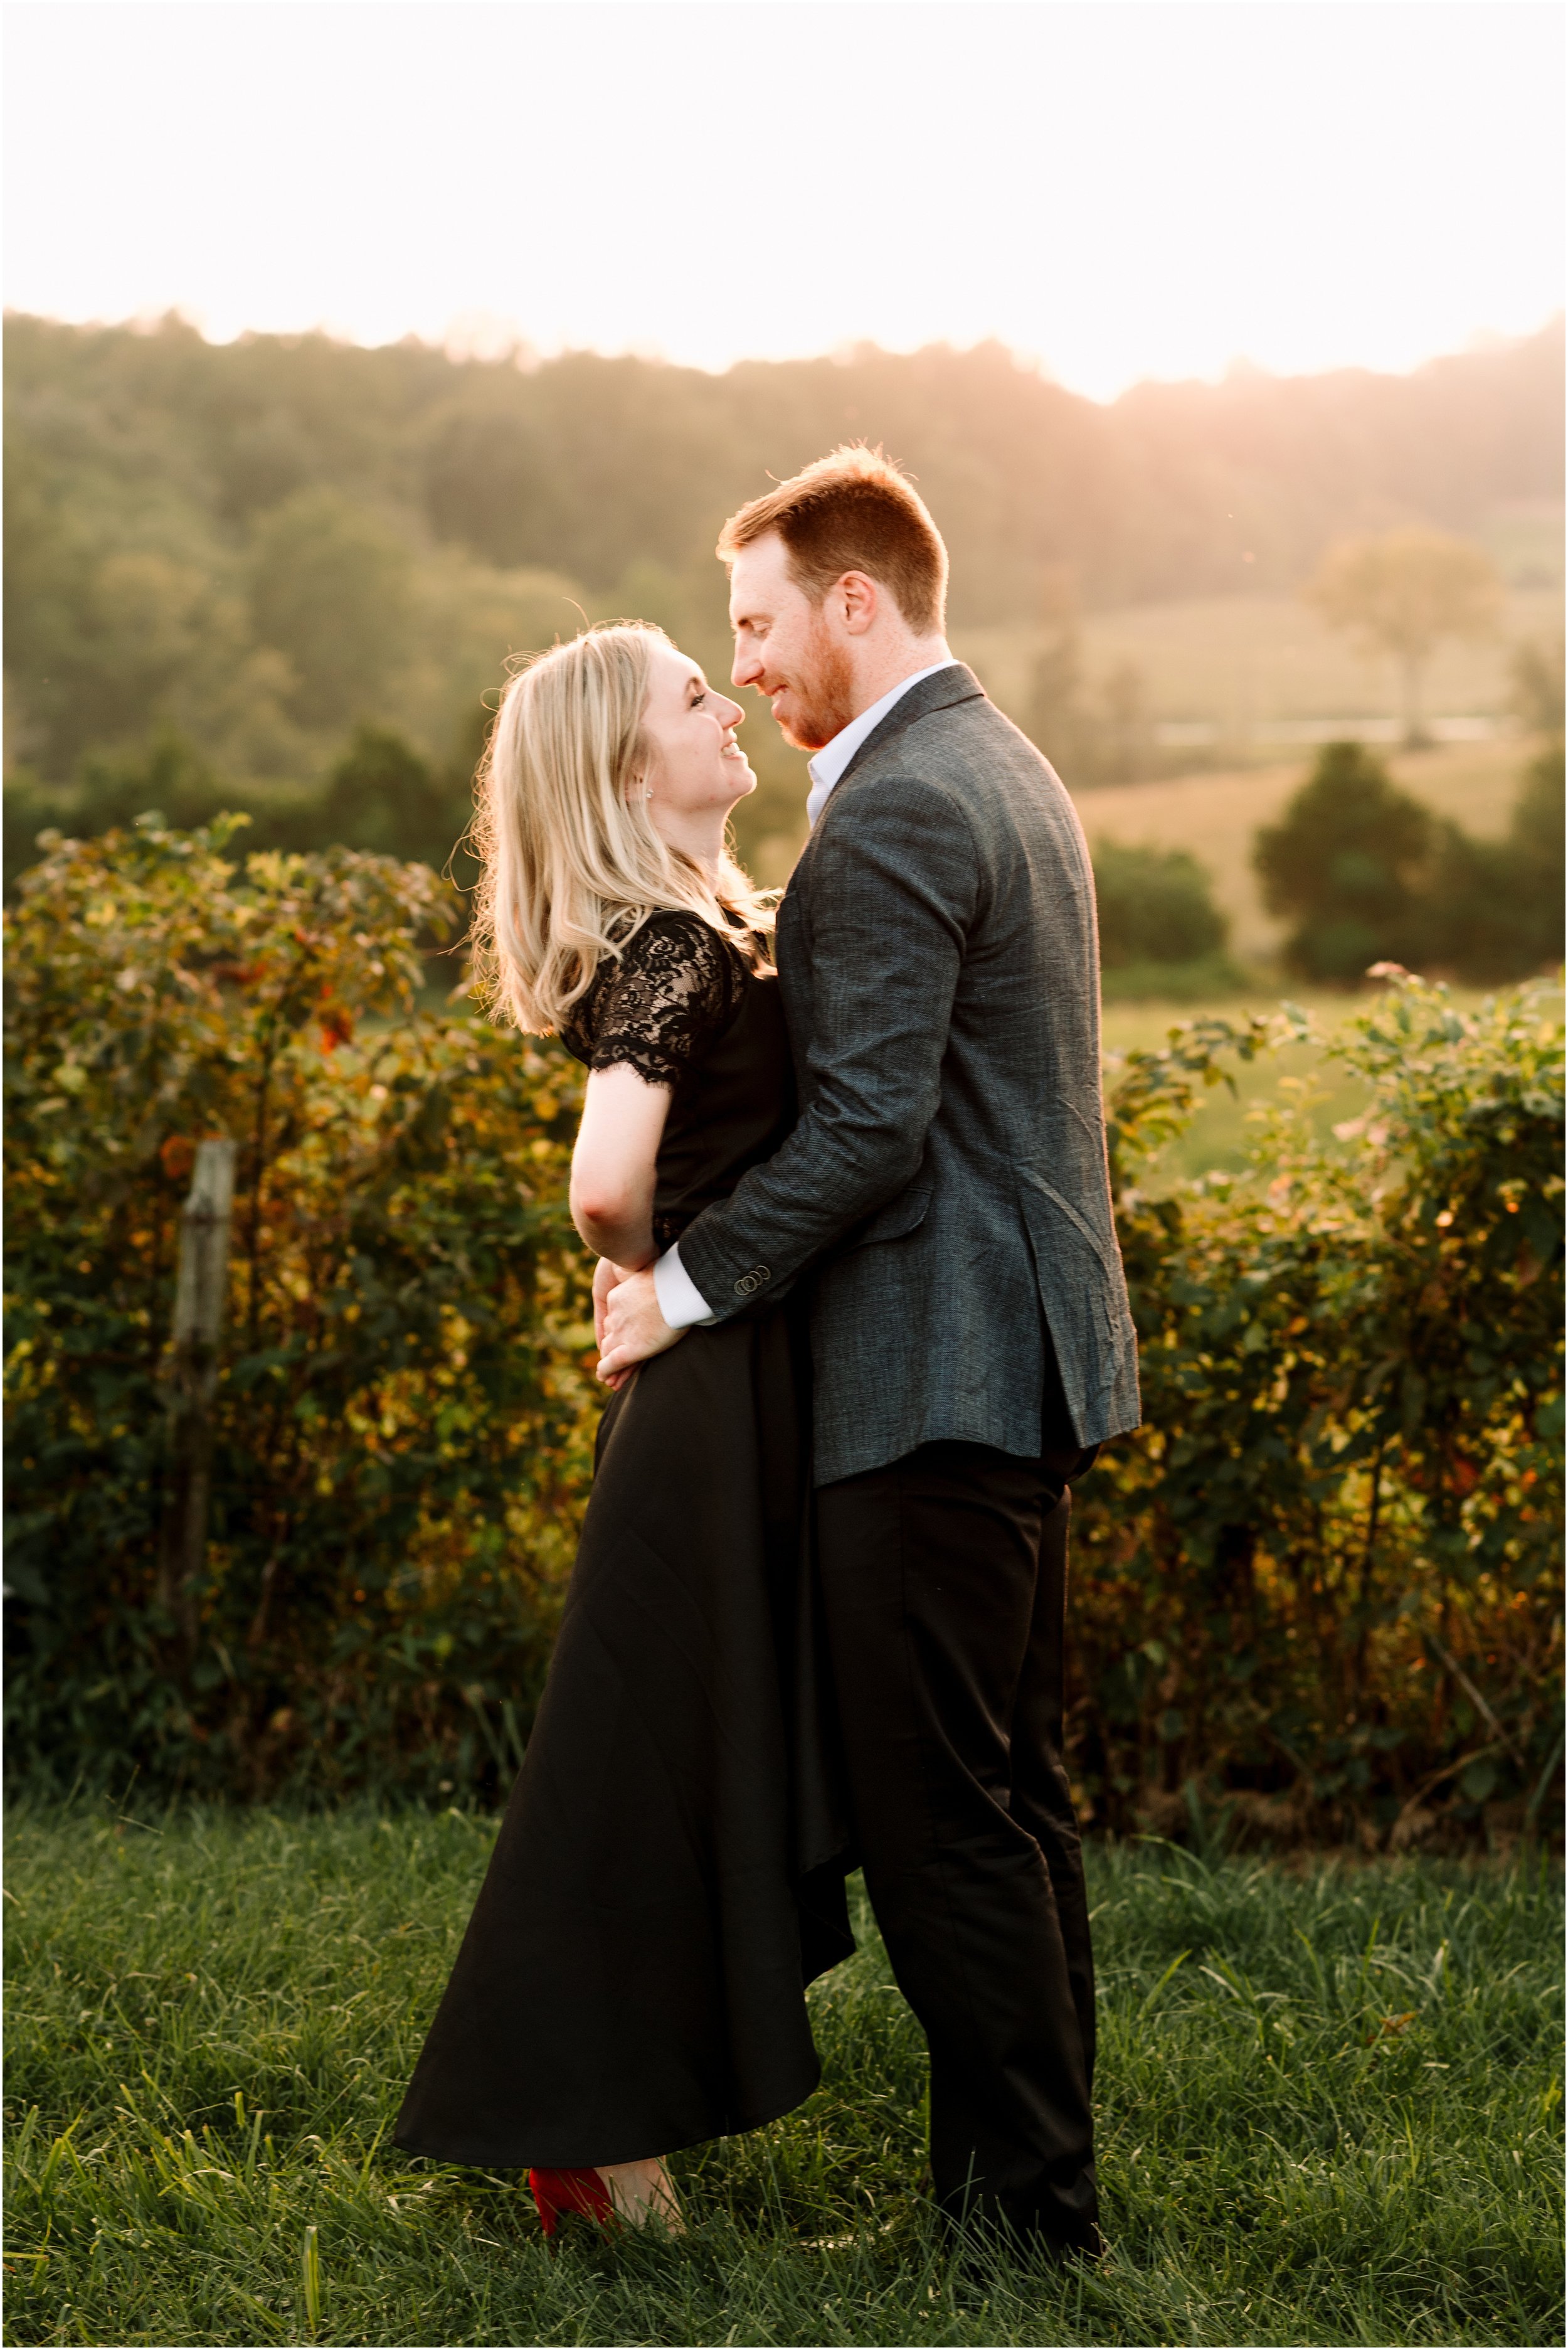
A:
[233,561]
[1363,871]
[1320,1586]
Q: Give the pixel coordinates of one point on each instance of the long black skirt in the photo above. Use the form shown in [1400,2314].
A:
[669,1872]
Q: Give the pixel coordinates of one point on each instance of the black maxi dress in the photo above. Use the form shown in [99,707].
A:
[670,1872]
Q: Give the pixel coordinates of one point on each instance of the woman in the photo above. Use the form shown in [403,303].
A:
[665,1880]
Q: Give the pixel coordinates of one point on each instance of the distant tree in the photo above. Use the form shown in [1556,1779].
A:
[1125,727]
[1053,715]
[190,525]
[1401,594]
[1537,677]
[1345,866]
[1536,838]
[382,795]
[167,775]
[115,619]
[1370,876]
[490,485]
[330,590]
[1476,927]
[1092,733]
[1155,907]
[1496,906]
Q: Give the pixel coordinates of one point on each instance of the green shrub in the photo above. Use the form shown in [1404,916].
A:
[402,1419]
[1326,1573]
[1155,907]
[1536,840]
[1322,1583]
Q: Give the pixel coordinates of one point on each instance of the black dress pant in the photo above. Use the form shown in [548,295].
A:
[944,1582]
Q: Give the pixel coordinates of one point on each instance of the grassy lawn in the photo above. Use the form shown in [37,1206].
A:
[1329,2109]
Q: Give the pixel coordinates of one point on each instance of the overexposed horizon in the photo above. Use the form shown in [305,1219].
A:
[495,340]
[1116,189]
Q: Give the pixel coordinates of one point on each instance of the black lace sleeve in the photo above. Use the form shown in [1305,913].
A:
[659,1005]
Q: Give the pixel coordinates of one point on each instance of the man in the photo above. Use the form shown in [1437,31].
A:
[947,1189]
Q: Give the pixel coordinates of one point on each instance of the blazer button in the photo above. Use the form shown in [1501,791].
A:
[750,1282]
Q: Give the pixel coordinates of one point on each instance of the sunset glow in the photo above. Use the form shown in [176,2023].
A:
[1117,190]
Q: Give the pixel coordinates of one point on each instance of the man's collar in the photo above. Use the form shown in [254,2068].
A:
[827,766]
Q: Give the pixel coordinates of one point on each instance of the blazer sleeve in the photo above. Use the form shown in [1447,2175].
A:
[895,886]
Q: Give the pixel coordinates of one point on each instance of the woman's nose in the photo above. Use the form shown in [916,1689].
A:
[733,715]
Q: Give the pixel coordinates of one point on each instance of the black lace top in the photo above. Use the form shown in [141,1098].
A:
[685,1008]
[659,1004]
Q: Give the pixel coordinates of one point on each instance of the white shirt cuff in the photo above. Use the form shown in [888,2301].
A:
[680,1301]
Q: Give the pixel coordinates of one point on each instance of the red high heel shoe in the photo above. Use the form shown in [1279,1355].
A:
[558,2191]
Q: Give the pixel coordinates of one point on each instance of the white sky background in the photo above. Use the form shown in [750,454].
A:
[1118,189]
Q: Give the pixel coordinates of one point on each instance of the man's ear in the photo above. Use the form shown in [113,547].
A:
[859,599]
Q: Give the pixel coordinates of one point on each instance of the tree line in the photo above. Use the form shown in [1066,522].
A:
[282,576]
[1359,871]
[265,542]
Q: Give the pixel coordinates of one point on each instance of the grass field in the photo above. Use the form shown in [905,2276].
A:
[1329,2110]
[1245,663]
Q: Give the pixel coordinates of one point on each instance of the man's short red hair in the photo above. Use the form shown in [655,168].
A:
[854,511]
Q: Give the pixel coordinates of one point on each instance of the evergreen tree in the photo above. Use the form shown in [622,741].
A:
[1346,867]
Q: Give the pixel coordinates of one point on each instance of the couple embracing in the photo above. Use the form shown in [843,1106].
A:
[861,1307]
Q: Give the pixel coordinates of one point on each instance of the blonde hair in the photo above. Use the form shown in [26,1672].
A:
[573,864]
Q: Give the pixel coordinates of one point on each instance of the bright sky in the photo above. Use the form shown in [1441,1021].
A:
[1115,188]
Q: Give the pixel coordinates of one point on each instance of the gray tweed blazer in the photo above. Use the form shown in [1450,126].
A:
[946,1185]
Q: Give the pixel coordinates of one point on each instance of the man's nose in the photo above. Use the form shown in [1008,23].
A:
[746,668]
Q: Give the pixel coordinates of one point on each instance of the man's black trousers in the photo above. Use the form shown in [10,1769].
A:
[944,1580]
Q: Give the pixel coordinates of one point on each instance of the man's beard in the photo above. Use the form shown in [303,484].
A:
[823,693]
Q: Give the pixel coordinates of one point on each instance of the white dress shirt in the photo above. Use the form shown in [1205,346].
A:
[680,1301]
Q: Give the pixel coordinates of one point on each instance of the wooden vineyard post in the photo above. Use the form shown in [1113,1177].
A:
[191,1379]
